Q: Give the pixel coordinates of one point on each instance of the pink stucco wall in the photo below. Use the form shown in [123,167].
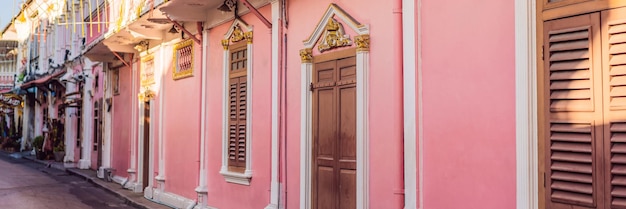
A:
[227,195]
[385,98]
[468,104]
[181,128]
[121,124]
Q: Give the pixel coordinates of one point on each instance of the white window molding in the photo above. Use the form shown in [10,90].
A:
[362,126]
[230,176]
[526,105]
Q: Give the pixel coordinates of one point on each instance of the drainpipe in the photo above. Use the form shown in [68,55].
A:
[398,64]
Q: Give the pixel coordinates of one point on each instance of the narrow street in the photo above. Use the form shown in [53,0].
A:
[28,185]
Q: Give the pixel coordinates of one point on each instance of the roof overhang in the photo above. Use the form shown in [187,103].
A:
[42,82]
[205,11]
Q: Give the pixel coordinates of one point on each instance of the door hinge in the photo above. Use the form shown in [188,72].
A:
[542,49]
[544,180]
[310,86]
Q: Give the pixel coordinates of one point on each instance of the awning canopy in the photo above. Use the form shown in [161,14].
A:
[41,82]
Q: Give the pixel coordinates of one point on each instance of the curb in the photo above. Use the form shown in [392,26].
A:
[95,181]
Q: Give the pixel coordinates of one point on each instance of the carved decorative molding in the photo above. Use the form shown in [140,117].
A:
[248,36]
[306,55]
[238,31]
[225,44]
[334,36]
[237,35]
[362,43]
[146,95]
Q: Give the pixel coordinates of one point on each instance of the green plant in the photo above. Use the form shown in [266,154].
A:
[38,142]
[21,76]
[59,148]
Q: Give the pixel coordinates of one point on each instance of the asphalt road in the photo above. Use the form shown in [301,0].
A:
[28,185]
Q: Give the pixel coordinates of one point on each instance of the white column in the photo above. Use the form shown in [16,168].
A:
[275,161]
[106,133]
[410,108]
[38,115]
[135,105]
[87,120]
[70,128]
[161,177]
[25,118]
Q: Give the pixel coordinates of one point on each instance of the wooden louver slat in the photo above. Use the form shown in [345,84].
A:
[569,55]
[617,133]
[237,123]
[571,162]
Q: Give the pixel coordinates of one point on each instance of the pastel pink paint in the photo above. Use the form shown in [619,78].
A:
[121,126]
[221,193]
[468,104]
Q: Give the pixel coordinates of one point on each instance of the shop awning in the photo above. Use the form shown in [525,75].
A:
[41,82]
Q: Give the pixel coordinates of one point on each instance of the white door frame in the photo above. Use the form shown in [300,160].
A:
[362,97]
[526,104]
[140,145]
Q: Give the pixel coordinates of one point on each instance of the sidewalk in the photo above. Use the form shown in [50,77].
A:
[135,199]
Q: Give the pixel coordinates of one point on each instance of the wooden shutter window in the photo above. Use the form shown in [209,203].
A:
[614,84]
[237,107]
[570,84]
[571,163]
[572,88]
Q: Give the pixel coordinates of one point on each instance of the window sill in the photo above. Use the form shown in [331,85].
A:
[237,178]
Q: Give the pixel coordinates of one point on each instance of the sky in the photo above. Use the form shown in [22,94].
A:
[8,9]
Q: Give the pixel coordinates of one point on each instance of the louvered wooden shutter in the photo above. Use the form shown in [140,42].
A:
[614,83]
[237,123]
[573,131]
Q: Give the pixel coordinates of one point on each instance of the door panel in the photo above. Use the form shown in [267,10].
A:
[614,86]
[574,172]
[334,134]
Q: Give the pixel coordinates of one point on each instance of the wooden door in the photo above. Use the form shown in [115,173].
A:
[614,90]
[573,140]
[334,134]
[146,144]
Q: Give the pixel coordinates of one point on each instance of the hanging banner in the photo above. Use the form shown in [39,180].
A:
[147,71]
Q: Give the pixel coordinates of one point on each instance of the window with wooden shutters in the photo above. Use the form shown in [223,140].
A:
[572,88]
[237,67]
[237,108]
[614,84]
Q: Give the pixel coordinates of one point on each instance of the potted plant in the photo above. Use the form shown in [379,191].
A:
[59,152]
[38,146]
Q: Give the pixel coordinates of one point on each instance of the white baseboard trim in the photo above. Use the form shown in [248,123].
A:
[205,207]
[171,199]
[84,164]
[271,206]
[120,180]
[148,192]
